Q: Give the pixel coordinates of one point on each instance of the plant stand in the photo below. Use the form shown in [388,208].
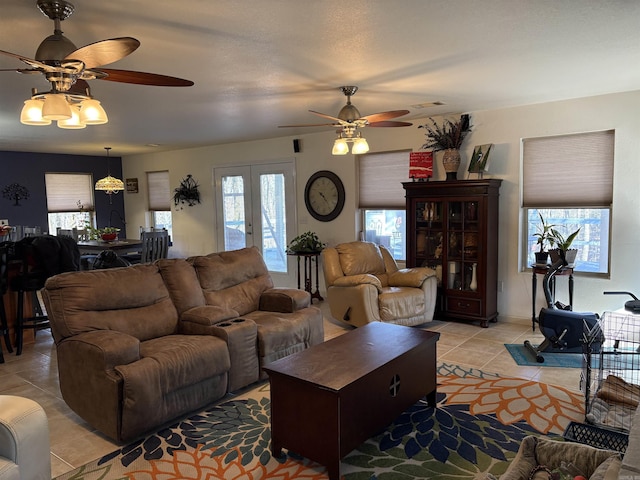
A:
[309,258]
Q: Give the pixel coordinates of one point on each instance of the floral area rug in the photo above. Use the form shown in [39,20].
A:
[475,429]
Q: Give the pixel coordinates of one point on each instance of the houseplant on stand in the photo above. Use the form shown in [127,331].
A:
[448,138]
[545,235]
[563,244]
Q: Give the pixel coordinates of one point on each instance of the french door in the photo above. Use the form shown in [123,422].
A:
[255,207]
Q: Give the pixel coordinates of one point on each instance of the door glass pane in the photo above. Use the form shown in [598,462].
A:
[274,225]
[233,212]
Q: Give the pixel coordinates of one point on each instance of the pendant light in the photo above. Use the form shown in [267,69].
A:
[109,185]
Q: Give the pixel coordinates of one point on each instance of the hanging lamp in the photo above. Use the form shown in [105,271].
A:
[109,185]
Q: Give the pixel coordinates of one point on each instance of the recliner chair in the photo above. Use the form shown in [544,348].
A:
[364,284]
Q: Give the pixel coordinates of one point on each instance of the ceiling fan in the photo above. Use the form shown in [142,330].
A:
[349,120]
[67,68]
[349,116]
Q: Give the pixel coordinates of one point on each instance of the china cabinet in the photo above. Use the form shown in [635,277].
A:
[452,227]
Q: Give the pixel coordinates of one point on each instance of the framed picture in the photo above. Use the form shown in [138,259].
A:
[132,185]
[420,165]
[480,160]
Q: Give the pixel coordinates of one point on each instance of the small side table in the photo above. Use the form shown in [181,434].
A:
[309,258]
[552,285]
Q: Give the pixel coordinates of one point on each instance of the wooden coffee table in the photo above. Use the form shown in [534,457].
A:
[328,399]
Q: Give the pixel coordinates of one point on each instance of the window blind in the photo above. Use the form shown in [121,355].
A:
[69,192]
[159,191]
[568,170]
[380,179]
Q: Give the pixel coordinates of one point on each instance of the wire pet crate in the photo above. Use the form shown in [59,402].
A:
[611,377]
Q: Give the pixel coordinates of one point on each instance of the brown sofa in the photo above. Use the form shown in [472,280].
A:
[140,346]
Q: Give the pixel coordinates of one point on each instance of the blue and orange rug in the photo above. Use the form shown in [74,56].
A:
[476,429]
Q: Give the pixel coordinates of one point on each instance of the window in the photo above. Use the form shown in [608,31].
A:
[569,180]
[382,199]
[69,200]
[159,194]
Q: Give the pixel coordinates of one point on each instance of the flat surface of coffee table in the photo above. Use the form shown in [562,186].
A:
[328,399]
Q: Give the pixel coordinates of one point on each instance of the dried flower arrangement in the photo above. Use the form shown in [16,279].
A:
[447,136]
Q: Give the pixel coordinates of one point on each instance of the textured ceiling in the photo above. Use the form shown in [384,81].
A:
[259,64]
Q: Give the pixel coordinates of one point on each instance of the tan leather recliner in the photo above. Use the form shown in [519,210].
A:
[365,285]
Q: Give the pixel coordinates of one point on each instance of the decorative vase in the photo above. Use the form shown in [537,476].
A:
[473,286]
[421,241]
[451,163]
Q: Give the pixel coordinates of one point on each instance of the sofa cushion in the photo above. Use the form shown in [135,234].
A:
[360,257]
[400,302]
[233,280]
[133,300]
[175,374]
[182,282]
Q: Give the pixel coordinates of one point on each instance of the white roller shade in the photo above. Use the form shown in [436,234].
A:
[159,191]
[69,192]
[381,176]
[569,170]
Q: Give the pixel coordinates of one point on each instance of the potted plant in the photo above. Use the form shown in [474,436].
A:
[546,236]
[107,234]
[447,137]
[308,242]
[563,246]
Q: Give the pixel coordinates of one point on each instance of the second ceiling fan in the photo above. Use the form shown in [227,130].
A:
[349,120]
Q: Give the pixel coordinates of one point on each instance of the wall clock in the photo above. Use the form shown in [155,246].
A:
[324,195]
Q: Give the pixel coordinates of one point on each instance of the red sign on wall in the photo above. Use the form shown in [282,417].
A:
[420,164]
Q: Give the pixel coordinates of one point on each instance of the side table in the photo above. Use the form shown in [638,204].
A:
[309,258]
[536,269]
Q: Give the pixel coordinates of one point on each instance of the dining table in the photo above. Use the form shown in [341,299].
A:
[126,245]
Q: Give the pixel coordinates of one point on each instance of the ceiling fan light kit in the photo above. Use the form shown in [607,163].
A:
[349,120]
[67,68]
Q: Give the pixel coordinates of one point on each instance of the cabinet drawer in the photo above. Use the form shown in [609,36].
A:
[468,306]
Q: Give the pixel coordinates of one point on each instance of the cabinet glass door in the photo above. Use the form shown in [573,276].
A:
[462,252]
[430,236]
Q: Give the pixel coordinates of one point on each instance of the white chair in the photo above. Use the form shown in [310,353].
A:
[25,452]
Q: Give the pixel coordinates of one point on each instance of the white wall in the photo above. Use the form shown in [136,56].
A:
[194,227]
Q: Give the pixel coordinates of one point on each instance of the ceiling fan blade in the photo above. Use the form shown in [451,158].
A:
[326,116]
[104,52]
[378,117]
[389,123]
[29,61]
[142,78]
[310,125]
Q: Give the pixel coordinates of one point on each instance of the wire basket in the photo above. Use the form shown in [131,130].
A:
[596,437]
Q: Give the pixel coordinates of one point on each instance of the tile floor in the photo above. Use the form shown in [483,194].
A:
[74,443]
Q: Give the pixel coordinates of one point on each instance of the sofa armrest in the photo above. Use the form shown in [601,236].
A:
[194,320]
[410,277]
[355,280]
[284,300]
[105,348]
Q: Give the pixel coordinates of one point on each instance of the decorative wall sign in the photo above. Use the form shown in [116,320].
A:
[132,185]
[420,165]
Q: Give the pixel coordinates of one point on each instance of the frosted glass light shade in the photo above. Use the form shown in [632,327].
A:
[56,107]
[92,113]
[360,146]
[31,113]
[340,147]
[73,122]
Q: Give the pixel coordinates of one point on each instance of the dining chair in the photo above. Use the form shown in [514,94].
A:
[155,245]
[69,232]
[6,250]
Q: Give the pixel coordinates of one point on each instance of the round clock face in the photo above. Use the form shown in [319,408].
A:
[324,195]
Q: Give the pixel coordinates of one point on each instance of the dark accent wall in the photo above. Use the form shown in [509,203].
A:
[28,169]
